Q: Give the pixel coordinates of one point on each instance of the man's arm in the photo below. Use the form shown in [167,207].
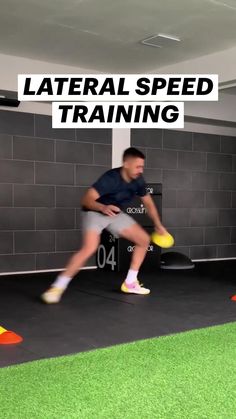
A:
[153,213]
[89,201]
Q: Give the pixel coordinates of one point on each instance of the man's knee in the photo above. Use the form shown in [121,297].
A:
[89,250]
[90,244]
[144,240]
[86,251]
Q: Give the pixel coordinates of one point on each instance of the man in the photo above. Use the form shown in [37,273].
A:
[102,208]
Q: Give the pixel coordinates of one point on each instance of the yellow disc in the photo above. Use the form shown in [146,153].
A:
[2,330]
[163,240]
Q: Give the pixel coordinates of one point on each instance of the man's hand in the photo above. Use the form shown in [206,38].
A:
[161,230]
[110,210]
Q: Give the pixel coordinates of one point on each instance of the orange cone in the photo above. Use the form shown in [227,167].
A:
[8,338]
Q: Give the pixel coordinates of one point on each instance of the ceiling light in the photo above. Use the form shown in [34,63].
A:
[161,40]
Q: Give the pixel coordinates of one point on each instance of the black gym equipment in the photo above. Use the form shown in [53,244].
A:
[175,260]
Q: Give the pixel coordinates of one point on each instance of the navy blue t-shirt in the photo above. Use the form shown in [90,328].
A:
[114,190]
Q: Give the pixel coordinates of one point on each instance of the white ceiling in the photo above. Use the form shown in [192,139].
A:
[105,35]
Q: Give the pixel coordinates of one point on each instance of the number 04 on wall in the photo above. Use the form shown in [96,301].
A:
[106,257]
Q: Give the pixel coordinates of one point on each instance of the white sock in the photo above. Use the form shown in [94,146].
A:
[131,276]
[62,281]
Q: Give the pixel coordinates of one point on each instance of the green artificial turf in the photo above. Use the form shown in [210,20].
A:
[184,376]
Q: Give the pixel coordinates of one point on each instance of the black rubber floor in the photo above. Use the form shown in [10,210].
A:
[94,314]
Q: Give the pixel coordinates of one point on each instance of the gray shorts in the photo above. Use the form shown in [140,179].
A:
[92,220]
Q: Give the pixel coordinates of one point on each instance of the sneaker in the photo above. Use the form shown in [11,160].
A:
[135,288]
[52,295]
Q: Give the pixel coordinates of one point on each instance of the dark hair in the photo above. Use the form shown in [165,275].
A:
[133,152]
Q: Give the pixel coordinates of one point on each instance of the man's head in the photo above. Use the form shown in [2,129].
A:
[133,162]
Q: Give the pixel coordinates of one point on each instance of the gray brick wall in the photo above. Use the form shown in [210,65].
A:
[198,173]
[43,174]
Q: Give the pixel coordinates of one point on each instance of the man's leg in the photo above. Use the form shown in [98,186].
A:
[90,244]
[141,239]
